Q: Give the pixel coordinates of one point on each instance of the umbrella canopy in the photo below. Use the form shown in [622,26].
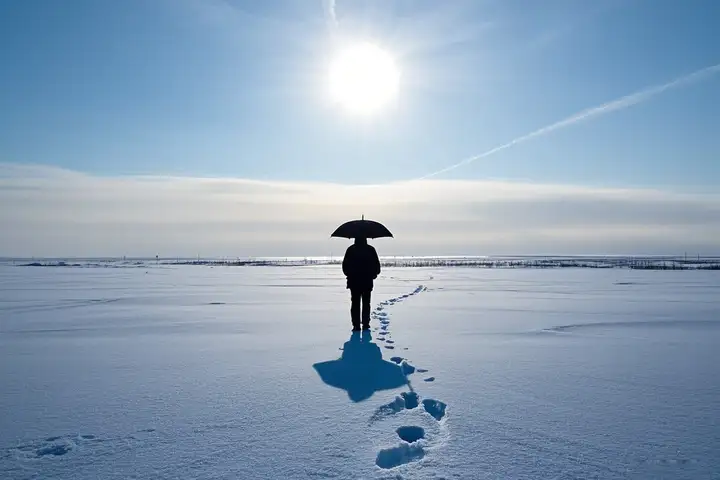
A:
[362,228]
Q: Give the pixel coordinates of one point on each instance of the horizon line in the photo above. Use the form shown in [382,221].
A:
[225,258]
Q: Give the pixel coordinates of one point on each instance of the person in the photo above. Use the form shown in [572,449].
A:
[361,266]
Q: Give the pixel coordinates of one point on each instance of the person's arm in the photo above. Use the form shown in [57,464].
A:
[346,262]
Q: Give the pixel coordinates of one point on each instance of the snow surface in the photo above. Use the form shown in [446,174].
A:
[164,372]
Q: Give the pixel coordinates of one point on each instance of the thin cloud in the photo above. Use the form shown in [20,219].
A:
[621,103]
[54,212]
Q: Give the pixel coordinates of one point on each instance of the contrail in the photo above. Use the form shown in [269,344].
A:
[330,14]
[619,104]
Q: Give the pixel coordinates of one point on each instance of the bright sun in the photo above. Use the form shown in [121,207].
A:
[363,78]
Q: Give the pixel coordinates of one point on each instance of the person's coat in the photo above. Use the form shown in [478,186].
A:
[361,266]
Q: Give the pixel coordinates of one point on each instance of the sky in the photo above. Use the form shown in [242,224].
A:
[205,127]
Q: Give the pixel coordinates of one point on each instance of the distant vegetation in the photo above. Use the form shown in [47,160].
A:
[638,263]
[645,263]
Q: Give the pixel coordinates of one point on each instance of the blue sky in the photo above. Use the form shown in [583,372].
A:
[213,87]
[238,90]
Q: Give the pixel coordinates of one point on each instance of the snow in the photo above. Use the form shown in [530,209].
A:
[163,371]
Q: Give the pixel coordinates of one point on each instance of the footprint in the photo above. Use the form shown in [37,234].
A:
[411,434]
[407,369]
[390,347]
[56,450]
[429,379]
[61,445]
[390,341]
[404,401]
[396,406]
[422,370]
[411,399]
[435,408]
[396,456]
[55,446]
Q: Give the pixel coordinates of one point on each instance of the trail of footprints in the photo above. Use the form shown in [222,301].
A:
[415,440]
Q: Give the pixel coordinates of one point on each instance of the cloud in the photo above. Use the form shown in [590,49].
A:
[53,212]
[619,104]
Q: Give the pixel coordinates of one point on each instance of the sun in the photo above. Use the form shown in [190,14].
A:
[363,78]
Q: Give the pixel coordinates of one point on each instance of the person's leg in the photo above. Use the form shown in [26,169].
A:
[355,296]
[366,308]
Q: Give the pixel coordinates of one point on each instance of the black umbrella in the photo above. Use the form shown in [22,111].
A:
[362,228]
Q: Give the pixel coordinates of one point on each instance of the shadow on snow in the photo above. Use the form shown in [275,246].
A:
[361,370]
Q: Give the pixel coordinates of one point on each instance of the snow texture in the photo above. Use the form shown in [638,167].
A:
[164,371]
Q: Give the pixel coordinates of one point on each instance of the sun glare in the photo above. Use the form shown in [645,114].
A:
[363,78]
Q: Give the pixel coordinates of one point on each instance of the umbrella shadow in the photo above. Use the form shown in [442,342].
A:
[361,370]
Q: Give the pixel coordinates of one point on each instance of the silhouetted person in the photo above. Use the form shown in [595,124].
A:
[361,266]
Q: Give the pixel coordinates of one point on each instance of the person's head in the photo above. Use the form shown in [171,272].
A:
[360,241]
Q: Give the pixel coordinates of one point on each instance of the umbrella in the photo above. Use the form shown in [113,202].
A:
[362,228]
